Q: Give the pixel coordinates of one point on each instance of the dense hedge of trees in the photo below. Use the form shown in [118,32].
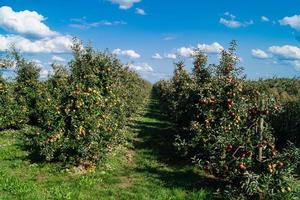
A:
[286,124]
[224,125]
[79,113]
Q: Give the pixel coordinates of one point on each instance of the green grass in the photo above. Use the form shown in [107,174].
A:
[144,169]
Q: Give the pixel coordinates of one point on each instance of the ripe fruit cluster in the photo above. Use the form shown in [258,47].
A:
[220,124]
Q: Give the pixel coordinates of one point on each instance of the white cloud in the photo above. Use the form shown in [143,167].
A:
[44,73]
[295,64]
[286,52]
[185,51]
[57,58]
[285,55]
[293,21]
[57,44]
[264,19]
[81,23]
[37,62]
[212,48]
[170,56]
[231,22]
[170,37]
[45,69]
[24,22]
[240,59]
[140,11]
[260,54]
[230,15]
[125,4]
[248,23]
[141,67]
[128,53]
[157,56]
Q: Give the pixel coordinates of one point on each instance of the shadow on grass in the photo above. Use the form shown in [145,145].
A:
[20,151]
[28,154]
[157,135]
[184,179]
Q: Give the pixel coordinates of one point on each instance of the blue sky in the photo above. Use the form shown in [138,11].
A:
[150,35]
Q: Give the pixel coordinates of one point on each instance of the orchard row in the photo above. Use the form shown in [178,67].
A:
[79,113]
[224,127]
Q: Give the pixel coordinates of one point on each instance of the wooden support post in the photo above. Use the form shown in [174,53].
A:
[260,132]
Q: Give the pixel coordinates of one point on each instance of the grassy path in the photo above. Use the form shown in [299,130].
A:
[144,169]
[156,173]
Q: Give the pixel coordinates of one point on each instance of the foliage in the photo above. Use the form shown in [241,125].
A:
[27,85]
[226,129]
[81,113]
[11,113]
[286,123]
[78,114]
